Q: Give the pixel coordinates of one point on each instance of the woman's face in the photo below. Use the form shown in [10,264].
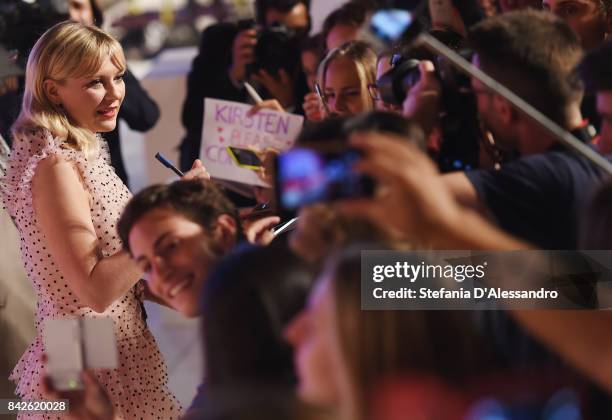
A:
[91,102]
[342,89]
[312,335]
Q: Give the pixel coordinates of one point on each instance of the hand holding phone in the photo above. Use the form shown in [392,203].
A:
[305,176]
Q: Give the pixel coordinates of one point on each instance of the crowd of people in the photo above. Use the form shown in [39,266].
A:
[449,167]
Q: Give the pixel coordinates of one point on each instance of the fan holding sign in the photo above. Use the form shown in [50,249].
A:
[231,124]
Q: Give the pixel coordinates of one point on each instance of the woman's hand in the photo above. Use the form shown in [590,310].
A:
[312,107]
[271,104]
[259,231]
[280,87]
[197,171]
[91,403]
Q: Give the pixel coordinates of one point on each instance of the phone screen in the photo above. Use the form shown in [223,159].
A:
[390,24]
[305,176]
[244,157]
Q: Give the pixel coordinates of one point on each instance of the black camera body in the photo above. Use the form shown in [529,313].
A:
[277,48]
[459,113]
[22,23]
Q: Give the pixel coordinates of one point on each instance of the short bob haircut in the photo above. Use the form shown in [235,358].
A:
[66,50]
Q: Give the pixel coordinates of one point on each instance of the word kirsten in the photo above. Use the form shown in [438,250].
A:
[268,122]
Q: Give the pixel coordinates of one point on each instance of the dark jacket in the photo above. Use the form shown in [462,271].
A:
[208,78]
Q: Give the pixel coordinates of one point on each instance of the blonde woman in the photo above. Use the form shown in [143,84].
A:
[347,78]
[65,199]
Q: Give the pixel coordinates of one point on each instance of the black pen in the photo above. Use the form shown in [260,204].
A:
[169,165]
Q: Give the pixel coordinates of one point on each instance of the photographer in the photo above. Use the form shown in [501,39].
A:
[533,54]
[227,52]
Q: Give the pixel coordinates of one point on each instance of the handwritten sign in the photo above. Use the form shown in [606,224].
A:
[226,124]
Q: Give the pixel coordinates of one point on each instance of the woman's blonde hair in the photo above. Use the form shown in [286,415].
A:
[364,57]
[66,50]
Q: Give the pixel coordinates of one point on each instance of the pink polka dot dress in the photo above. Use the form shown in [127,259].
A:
[138,388]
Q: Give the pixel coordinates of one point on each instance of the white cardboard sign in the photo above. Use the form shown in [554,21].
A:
[226,124]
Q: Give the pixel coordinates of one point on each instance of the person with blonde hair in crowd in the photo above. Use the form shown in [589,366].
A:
[347,78]
[65,199]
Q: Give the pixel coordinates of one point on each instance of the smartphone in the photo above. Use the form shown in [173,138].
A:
[306,176]
[72,345]
[244,158]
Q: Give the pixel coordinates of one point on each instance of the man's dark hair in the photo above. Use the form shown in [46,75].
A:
[314,44]
[533,54]
[387,122]
[352,13]
[200,201]
[257,291]
[594,69]
[340,129]
[97,13]
[283,6]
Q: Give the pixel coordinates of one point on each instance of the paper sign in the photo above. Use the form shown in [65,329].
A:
[226,124]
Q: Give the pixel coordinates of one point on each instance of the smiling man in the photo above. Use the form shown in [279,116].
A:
[176,233]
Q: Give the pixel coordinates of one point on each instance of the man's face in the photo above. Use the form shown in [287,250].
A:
[175,255]
[587,18]
[81,11]
[297,18]
[604,108]
[487,112]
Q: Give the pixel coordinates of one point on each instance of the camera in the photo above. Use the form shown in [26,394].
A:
[23,22]
[277,47]
[459,115]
